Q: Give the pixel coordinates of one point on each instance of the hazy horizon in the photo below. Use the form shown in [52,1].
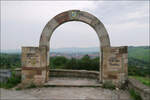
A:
[74,48]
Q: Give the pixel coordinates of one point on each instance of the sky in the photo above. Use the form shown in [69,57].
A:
[127,23]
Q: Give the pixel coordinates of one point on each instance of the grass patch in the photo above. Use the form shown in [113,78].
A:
[32,85]
[18,89]
[135,95]
[12,82]
[144,80]
[108,85]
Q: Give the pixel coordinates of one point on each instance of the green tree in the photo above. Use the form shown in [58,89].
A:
[86,63]
[72,64]
[58,61]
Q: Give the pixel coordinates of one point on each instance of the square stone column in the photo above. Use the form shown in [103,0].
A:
[114,66]
[34,65]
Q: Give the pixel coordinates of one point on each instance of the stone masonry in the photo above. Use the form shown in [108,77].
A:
[113,60]
[34,69]
[114,68]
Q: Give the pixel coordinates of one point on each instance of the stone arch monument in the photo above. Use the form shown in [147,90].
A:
[113,60]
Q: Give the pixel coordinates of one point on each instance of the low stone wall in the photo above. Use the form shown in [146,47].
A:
[5,74]
[74,73]
[140,88]
[68,73]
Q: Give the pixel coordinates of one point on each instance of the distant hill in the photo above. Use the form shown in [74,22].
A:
[60,50]
[75,49]
[11,51]
[141,53]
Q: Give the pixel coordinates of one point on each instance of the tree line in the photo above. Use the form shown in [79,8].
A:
[10,61]
[85,63]
[136,67]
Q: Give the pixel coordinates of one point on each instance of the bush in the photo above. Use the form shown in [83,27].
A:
[85,63]
[138,71]
[58,61]
[144,80]
[10,61]
[32,85]
[135,95]
[108,85]
[12,82]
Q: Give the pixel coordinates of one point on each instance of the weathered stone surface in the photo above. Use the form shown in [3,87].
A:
[60,18]
[34,63]
[63,93]
[74,15]
[39,80]
[113,62]
[140,88]
[30,57]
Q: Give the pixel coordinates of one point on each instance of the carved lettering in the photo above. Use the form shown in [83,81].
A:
[113,61]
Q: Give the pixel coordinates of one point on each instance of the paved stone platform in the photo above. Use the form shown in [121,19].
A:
[65,93]
[72,82]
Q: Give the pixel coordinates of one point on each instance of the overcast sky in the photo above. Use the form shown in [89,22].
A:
[127,23]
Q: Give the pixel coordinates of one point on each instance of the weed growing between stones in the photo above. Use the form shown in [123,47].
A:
[11,82]
[135,95]
[18,89]
[108,85]
[32,85]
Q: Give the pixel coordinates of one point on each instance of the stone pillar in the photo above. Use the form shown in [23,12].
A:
[114,67]
[34,65]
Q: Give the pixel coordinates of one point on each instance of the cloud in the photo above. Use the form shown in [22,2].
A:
[128,26]
[126,22]
[122,11]
[142,11]
[136,15]
[129,33]
[40,11]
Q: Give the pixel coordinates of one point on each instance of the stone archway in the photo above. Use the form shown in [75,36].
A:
[35,60]
[74,15]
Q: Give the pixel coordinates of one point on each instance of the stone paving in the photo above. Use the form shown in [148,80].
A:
[71,81]
[53,93]
[66,93]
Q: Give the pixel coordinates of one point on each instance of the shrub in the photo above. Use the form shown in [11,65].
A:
[108,85]
[135,95]
[18,89]
[12,82]
[144,80]
[32,85]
